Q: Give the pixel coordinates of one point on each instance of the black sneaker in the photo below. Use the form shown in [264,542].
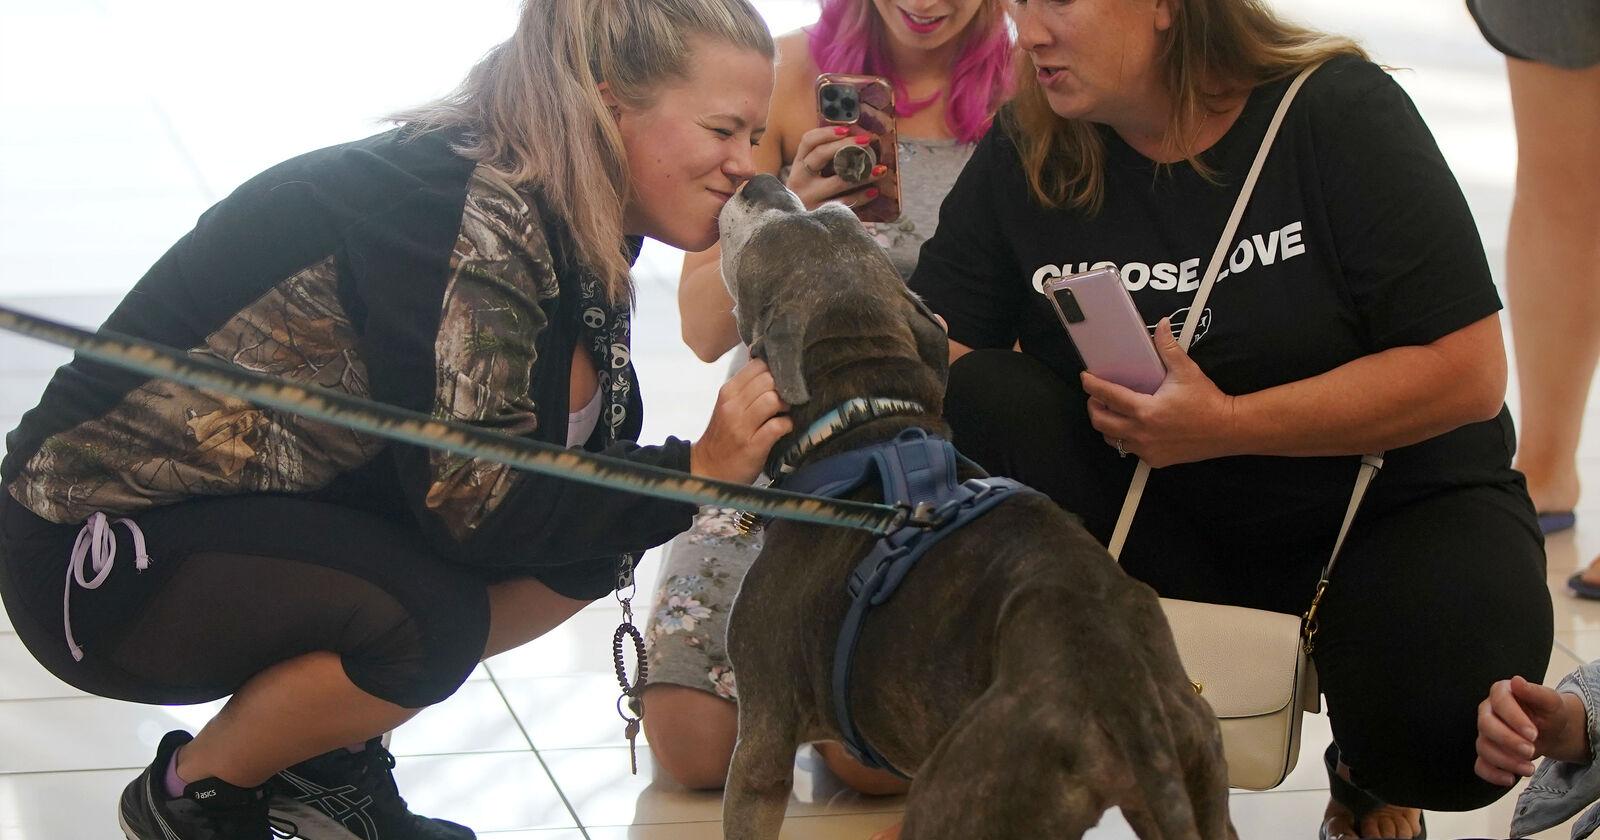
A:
[210,809]
[343,795]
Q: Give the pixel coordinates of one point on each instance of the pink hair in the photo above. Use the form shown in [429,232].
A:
[849,38]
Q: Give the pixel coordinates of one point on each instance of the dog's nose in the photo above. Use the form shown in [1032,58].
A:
[765,190]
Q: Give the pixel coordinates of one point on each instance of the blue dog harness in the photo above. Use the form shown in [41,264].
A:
[917,472]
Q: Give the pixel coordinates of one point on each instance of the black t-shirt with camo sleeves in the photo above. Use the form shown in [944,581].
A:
[390,268]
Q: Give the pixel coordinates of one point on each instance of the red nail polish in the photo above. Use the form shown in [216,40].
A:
[879,170]
[840,130]
[863,140]
[872,193]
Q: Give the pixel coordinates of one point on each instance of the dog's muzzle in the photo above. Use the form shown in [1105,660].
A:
[766,192]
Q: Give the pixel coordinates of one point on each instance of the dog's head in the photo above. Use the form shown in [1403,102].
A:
[814,293]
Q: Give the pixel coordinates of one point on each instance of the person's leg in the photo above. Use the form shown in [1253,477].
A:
[691,734]
[1429,604]
[287,713]
[1553,270]
[690,714]
[523,609]
[327,625]
[1015,417]
[858,776]
[311,699]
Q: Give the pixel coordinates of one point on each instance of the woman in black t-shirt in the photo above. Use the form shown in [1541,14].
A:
[472,264]
[1355,314]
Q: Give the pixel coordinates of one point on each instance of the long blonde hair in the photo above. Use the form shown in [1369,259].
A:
[533,112]
[1238,42]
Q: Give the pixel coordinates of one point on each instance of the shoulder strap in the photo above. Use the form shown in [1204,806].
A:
[1369,463]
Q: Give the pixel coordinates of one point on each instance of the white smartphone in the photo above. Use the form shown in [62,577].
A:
[1107,329]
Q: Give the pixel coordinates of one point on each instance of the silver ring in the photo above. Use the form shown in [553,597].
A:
[1121,453]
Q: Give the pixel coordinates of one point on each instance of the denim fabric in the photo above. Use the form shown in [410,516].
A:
[1560,789]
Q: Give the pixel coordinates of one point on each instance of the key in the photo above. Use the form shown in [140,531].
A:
[631,733]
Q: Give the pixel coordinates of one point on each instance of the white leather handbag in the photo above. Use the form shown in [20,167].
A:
[1252,666]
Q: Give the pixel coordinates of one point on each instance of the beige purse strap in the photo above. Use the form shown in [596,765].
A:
[1370,464]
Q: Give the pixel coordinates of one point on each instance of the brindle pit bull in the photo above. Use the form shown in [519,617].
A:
[1024,681]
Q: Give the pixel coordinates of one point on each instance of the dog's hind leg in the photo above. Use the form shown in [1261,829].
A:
[1159,806]
[1195,737]
[1001,771]
[1205,771]
[761,774]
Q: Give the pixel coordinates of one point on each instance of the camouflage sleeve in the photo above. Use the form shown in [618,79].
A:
[490,320]
[501,284]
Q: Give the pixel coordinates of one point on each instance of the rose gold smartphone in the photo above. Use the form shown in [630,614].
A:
[1107,329]
[867,102]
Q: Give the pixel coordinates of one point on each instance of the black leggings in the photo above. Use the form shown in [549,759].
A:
[238,584]
[1433,600]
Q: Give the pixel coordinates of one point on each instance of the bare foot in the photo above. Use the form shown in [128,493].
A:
[1388,821]
[890,833]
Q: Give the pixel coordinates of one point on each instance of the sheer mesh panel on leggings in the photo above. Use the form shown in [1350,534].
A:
[226,617]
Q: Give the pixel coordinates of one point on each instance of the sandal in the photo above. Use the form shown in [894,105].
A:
[1556,521]
[1583,588]
[1357,801]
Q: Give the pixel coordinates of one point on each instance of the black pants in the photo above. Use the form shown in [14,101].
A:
[238,584]
[1434,597]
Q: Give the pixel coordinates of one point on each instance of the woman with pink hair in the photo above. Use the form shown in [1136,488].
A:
[950,63]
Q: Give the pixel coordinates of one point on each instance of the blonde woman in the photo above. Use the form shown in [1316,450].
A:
[1355,314]
[951,62]
[472,263]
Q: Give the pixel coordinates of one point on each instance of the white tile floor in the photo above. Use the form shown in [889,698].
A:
[124,120]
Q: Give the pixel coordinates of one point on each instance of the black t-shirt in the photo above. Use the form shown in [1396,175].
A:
[1356,239]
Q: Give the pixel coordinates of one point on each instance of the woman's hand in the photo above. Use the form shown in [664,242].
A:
[747,420]
[816,151]
[1187,419]
[1520,721]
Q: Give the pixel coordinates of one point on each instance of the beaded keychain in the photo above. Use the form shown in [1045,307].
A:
[630,690]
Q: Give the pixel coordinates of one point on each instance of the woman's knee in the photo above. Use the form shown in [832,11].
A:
[858,776]
[691,734]
[1409,735]
[991,389]
[418,658]
[1411,775]
[414,667]
[997,401]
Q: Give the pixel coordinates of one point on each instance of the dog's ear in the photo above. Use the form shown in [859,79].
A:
[933,344]
[782,345]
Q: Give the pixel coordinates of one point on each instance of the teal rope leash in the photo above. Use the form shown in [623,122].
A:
[413,427]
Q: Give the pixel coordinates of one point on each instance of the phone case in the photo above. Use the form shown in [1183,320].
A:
[1107,329]
[875,114]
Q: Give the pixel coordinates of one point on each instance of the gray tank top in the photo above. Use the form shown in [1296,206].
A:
[928,168]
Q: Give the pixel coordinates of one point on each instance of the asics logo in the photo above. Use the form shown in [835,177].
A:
[338,803]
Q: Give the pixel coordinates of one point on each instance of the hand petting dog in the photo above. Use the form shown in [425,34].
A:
[748,419]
